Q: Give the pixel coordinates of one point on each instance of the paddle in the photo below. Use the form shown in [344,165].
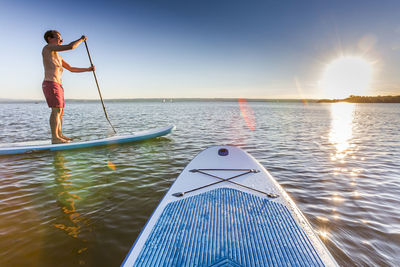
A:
[98,89]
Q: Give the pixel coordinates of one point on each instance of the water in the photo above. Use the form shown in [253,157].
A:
[339,162]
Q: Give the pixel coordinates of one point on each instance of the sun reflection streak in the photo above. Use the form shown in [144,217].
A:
[322,219]
[342,115]
[323,234]
[337,198]
[356,194]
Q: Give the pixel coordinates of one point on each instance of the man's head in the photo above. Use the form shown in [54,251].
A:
[53,37]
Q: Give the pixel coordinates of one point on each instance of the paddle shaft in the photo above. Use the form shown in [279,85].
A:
[98,88]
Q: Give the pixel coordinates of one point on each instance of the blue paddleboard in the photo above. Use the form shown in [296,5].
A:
[225,209]
[93,143]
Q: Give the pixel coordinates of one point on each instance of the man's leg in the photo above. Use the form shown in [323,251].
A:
[55,124]
[59,130]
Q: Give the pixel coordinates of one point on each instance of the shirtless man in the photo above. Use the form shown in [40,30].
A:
[53,91]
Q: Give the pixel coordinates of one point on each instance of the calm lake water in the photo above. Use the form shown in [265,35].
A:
[339,162]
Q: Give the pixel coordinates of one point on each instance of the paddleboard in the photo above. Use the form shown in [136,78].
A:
[118,139]
[225,209]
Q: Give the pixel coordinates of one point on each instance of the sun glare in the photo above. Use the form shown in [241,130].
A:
[346,76]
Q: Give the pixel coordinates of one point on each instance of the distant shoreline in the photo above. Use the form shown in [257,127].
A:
[364,99]
[350,99]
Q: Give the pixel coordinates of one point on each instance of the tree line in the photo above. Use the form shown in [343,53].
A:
[364,99]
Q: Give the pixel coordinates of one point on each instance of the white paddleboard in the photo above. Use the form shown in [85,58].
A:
[139,136]
[225,209]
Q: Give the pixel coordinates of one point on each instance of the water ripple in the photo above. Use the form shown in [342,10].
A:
[340,163]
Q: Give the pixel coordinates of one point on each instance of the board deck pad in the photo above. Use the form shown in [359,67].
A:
[225,209]
[266,236]
[138,136]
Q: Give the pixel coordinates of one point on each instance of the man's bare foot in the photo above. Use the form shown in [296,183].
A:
[59,141]
[66,138]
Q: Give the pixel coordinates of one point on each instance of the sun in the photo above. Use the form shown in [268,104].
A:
[346,76]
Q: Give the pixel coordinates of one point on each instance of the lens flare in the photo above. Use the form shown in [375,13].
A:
[300,91]
[323,234]
[247,114]
[111,165]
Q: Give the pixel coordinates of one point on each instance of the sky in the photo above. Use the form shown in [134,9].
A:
[199,49]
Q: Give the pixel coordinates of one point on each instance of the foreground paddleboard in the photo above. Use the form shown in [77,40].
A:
[225,209]
[139,136]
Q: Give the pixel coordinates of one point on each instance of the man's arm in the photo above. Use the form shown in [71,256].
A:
[73,69]
[69,46]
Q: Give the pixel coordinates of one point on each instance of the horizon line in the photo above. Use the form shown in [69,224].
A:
[164,98]
[186,99]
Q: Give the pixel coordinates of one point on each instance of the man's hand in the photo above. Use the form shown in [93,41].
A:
[83,38]
[92,68]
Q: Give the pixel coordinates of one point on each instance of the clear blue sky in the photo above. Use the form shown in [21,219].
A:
[248,49]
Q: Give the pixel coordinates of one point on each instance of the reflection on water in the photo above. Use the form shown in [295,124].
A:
[343,186]
[72,223]
[342,115]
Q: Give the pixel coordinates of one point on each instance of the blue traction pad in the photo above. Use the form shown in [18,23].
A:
[227,227]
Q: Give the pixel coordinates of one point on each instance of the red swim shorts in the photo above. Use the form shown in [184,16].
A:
[54,94]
